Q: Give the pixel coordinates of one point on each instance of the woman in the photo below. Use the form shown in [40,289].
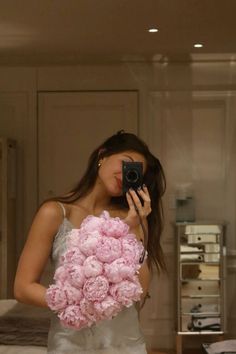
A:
[99,189]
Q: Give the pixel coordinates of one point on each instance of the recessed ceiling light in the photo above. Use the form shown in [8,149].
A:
[153,30]
[198,45]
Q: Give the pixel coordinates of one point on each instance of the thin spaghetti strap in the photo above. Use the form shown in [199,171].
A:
[63,209]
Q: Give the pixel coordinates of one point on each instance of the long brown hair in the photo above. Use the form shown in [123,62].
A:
[154,179]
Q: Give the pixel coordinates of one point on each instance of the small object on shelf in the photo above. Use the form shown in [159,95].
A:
[185,203]
[222,347]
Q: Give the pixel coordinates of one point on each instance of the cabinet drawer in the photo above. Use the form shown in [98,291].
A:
[189,249]
[199,288]
[194,257]
[199,271]
[203,324]
[212,257]
[212,248]
[201,305]
[203,257]
[203,229]
[202,238]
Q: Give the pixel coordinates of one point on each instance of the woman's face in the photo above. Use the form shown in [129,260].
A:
[110,171]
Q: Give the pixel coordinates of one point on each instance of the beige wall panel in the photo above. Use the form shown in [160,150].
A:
[70,126]
[195,135]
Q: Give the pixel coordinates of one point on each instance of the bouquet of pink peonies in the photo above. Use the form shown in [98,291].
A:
[97,275]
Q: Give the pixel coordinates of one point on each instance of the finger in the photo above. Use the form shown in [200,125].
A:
[146,203]
[146,208]
[146,200]
[136,200]
[146,191]
[144,196]
[134,196]
[133,199]
[130,201]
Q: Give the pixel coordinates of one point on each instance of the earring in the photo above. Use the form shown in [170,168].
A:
[99,164]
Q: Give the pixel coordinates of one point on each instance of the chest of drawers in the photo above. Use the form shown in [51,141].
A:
[200,279]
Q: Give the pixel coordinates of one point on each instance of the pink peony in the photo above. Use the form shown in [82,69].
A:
[91,223]
[73,295]
[108,249]
[56,297]
[88,242]
[107,308]
[126,292]
[114,228]
[61,274]
[92,267]
[88,310]
[95,289]
[72,317]
[73,255]
[76,275]
[132,249]
[119,270]
[105,215]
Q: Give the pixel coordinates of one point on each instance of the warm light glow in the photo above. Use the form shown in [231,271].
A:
[153,30]
[198,45]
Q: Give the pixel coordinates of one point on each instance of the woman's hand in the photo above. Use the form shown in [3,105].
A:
[136,207]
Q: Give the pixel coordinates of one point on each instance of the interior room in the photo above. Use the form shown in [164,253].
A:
[75,72]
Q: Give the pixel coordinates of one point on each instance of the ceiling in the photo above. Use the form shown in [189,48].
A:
[49,32]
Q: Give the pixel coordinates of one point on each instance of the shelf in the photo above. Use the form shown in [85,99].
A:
[183,280]
[200,296]
[201,314]
[200,332]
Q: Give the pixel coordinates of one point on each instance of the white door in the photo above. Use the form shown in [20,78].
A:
[70,126]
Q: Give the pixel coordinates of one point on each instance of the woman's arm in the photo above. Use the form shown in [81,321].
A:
[145,279]
[27,287]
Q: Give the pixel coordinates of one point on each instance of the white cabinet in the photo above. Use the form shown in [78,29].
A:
[200,300]
[7,216]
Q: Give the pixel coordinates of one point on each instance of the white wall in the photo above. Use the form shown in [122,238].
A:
[172,97]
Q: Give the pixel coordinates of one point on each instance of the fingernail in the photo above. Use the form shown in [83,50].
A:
[144,185]
[139,188]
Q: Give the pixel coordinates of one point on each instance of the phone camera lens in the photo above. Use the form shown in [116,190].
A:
[132,176]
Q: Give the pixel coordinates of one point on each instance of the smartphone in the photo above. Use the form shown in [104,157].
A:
[132,175]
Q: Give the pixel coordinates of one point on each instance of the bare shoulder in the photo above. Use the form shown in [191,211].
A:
[50,211]
[45,225]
